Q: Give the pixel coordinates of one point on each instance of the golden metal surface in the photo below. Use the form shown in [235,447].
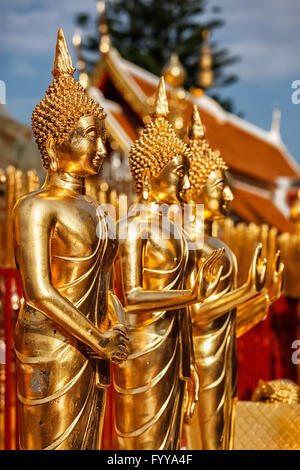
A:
[242,239]
[267,426]
[152,269]
[216,320]
[69,326]
[13,184]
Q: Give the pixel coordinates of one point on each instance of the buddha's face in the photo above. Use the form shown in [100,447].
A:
[216,196]
[171,182]
[83,152]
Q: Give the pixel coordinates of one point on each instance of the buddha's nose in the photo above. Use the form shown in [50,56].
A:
[101,147]
[227,194]
[186,183]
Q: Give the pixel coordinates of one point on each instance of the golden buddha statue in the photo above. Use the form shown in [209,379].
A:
[230,311]
[70,324]
[152,265]
[276,391]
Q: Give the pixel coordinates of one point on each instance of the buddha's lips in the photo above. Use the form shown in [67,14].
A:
[98,159]
[226,205]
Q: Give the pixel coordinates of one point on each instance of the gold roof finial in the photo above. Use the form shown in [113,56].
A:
[83,76]
[104,45]
[174,72]
[205,74]
[196,130]
[161,107]
[62,61]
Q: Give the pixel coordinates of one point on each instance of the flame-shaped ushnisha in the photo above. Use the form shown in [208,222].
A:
[161,107]
[203,160]
[196,131]
[65,102]
[157,144]
[62,61]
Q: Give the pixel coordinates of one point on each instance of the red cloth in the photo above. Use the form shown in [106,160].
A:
[265,351]
[12,281]
[109,438]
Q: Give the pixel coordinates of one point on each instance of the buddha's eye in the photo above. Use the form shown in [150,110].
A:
[91,132]
[220,184]
[180,172]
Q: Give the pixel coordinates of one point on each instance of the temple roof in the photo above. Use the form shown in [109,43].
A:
[255,157]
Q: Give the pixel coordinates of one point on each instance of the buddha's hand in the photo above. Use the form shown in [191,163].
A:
[191,394]
[209,275]
[276,282]
[113,345]
[257,272]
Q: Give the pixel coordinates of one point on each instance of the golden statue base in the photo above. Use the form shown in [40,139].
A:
[267,426]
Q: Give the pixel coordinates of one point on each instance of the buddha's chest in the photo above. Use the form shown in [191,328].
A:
[80,230]
[164,257]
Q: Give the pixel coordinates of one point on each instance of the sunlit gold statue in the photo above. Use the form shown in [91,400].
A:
[69,327]
[229,312]
[152,266]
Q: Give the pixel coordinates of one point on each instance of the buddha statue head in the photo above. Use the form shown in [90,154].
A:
[67,124]
[208,174]
[159,160]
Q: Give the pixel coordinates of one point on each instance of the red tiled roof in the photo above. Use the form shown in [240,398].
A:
[243,151]
[248,153]
[260,210]
[126,124]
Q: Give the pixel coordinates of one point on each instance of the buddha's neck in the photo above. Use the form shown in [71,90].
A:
[153,204]
[197,220]
[64,180]
[207,228]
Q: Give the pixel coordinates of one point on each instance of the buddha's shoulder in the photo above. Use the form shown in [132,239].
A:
[31,201]
[134,223]
[42,204]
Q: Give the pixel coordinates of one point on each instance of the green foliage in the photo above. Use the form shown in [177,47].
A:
[147,32]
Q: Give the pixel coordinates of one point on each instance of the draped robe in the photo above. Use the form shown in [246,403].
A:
[150,385]
[61,391]
[211,427]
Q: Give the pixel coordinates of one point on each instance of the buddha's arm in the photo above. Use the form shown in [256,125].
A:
[255,310]
[115,310]
[33,226]
[135,297]
[210,310]
[252,312]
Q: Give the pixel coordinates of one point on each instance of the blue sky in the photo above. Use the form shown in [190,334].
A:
[264,33]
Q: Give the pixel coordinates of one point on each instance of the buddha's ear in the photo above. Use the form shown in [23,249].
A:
[51,151]
[146,184]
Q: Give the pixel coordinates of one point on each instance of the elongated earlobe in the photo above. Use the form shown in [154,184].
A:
[146,185]
[50,147]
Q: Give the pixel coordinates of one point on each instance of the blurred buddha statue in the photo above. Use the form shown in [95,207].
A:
[69,326]
[276,391]
[229,311]
[150,387]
